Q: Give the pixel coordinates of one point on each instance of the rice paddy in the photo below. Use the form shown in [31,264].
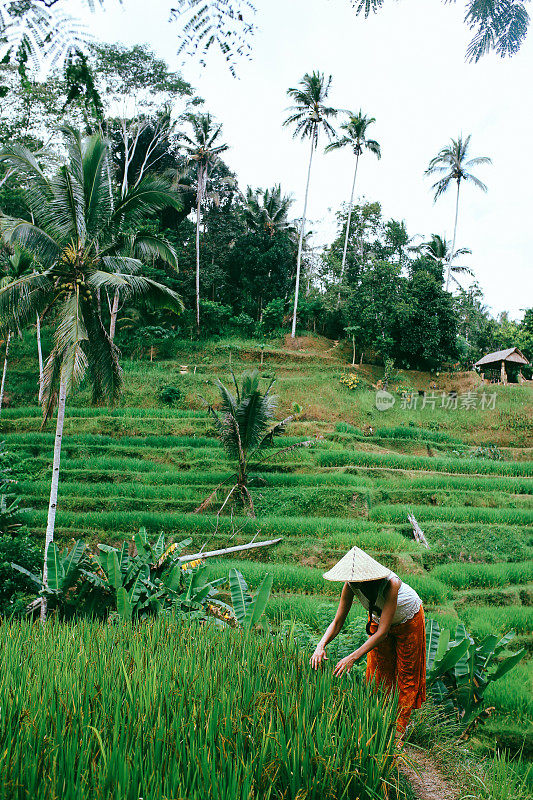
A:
[143,465]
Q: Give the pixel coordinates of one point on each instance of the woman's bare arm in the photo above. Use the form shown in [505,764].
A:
[385,621]
[345,603]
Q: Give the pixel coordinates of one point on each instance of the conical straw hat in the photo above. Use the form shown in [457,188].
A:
[357,565]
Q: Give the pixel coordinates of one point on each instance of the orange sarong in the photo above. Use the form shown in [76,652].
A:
[399,661]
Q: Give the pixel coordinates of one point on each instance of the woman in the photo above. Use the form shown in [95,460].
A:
[396,644]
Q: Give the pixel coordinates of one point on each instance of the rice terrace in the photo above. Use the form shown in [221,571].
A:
[266,454]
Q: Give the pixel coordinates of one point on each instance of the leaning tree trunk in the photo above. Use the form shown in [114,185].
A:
[301,241]
[2,385]
[350,209]
[450,257]
[114,315]
[52,506]
[40,356]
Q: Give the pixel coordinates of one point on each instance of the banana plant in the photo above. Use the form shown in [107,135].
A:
[248,610]
[64,570]
[459,670]
[153,580]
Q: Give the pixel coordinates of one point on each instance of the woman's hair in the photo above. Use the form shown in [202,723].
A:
[370,589]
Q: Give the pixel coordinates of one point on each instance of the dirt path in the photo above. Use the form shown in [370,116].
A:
[427,782]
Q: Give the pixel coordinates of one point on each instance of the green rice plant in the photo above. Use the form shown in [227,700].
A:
[512,694]
[508,516]
[119,717]
[286,577]
[475,542]
[466,483]
[341,458]
[465,576]
[430,589]
[502,779]
[401,432]
[20,412]
[484,620]
[202,524]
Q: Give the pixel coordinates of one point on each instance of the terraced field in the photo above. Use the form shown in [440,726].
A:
[363,472]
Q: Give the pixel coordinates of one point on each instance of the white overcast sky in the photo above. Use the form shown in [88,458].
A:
[405,66]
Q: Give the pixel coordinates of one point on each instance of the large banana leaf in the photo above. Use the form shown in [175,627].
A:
[258,605]
[114,573]
[124,559]
[36,579]
[138,586]
[240,596]
[504,666]
[71,563]
[124,606]
[159,547]
[432,642]
[449,660]
[141,543]
[56,573]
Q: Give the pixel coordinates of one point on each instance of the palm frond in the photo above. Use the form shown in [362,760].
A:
[151,194]
[153,247]
[22,299]
[103,358]
[30,237]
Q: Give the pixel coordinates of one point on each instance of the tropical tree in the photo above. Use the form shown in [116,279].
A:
[244,425]
[75,233]
[203,153]
[438,250]
[453,165]
[310,116]
[267,210]
[355,129]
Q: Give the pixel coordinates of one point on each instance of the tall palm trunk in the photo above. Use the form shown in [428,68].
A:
[39,356]
[2,385]
[350,209]
[52,506]
[198,218]
[301,240]
[201,180]
[114,315]
[454,236]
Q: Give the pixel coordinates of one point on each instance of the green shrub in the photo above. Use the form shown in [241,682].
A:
[169,395]
[16,589]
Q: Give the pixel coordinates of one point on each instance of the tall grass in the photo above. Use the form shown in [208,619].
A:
[332,530]
[165,711]
[508,516]
[482,620]
[342,458]
[300,579]
[465,576]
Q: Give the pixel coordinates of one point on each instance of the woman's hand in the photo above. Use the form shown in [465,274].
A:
[318,656]
[345,665]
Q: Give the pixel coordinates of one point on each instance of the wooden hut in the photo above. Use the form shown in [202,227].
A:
[494,366]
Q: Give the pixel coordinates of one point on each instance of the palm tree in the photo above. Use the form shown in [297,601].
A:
[202,153]
[355,129]
[267,210]
[453,164]
[73,232]
[244,425]
[310,116]
[438,250]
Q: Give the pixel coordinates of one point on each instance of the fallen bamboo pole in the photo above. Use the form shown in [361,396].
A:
[234,549]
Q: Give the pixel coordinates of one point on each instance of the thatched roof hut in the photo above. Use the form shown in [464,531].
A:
[498,360]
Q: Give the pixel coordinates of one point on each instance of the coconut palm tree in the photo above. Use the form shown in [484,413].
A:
[310,116]
[244,425]
[453,164]
[438,250]
[202,152]
[355,129]
[267,210]
[74,232]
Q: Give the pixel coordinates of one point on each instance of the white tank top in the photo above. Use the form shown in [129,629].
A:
[408,601]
